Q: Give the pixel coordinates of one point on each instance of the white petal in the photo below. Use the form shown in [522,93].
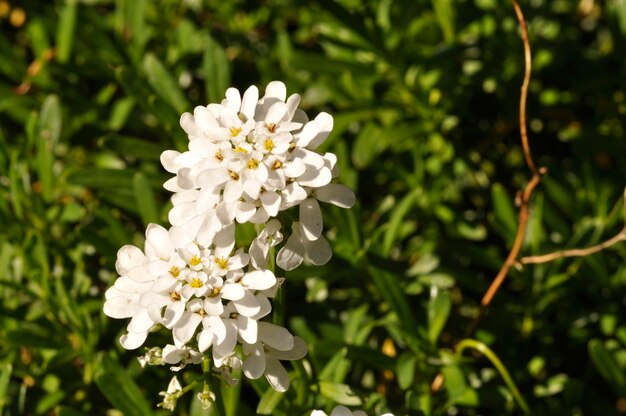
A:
[233,99]
[159,240]
[295,168]
[248,305]
[233,291]
[341,411]
[259,280]
[168,160]
[325,122]
[232,191]
[266,306]
[128,257]
[181,214]
[254,365]
[120,307]
[141,322]
[311,219]
[132,340]
[205,340]
[276,113]
[173,313]
[249,102]
[309,131]
[275,336]
[225,240]
[276,375]
[247,329]
[336,194]
[276,89]
[292,254]
[292,104]
[228,343]
[186,327]
[245,211]
[316,178]
[271,202]
[318,251]
[297,352]
[188,123]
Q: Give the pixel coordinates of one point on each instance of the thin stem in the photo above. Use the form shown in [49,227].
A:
[213,387]
[528,190]
[524,90]
[580,252]
[493,358]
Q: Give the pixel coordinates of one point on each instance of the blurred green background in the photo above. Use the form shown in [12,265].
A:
[425,99]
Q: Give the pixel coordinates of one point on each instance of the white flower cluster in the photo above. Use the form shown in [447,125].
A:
[249,159]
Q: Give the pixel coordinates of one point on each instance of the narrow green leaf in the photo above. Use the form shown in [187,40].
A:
[5,377]
[397,216]
[102,178]
[65,31]
[504,211]
[444,10]
[269,401]
[134,147]
[439,307]
[389,287]
[68,411]
[144,196]
[49,130]
[216,71]
[119,389]
[339,393]
[405,370]
[607,366]
[164,83]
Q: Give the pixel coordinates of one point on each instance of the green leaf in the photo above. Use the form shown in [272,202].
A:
[5,377]
[49,130]
[269,401]
[65,31]
[397,216]
[439,307]
[216,71]
[504,211]
[119,389]
[144,196]
[608,367]
[405,370]
[444,10]
[133,147]
[339,393]
[164,84]
[68,411]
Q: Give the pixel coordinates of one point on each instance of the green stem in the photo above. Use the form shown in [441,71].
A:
[491,356]
[218,406]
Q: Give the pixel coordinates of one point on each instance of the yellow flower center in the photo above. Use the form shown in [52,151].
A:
[269,145]
[214,292]
[195,261]
[253,164]
[222,262]
[175,271]
[219,156]
[233,175]
[277,165]
[174,296]
[234,131]
[196,283]
[240,149]
[271,127]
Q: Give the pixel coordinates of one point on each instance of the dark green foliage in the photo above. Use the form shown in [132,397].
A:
[425,99]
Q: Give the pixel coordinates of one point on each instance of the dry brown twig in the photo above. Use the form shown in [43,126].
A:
[526,194]
[578,252]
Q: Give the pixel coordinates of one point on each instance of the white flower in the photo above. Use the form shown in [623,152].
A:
[343,411]
[299,247]
[174,390]
[269,237]
[263,358]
